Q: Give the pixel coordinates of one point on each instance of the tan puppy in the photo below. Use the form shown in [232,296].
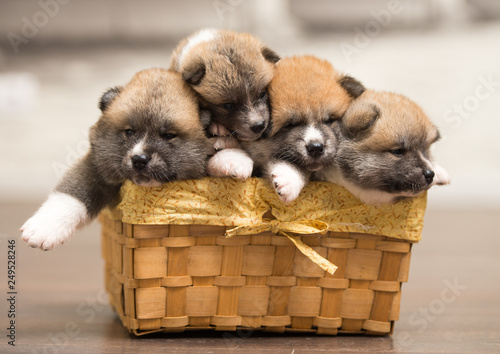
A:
[231,72]
[308,98]
[383,153]
[149,132]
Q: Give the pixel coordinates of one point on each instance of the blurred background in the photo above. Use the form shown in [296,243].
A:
[58,56]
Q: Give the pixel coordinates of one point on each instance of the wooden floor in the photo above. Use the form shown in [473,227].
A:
[451,303]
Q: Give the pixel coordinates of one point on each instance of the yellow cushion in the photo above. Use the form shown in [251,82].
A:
[229,202]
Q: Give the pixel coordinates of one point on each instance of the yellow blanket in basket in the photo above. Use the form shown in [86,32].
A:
[230,202]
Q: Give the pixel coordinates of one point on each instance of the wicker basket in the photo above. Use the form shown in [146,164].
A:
[176,277]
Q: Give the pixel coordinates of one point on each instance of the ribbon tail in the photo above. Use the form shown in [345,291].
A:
[313,255]
[246,230]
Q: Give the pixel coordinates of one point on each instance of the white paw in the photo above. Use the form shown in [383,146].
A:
[225,142]
[287,181]
[55,221]
[217,129]
[441,177]
[230,162]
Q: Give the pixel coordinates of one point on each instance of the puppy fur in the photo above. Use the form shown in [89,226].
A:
[231,72]
[383,152]
[149,132]
[308,97]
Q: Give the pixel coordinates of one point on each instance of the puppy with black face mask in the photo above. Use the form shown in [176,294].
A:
[149,132]
[231,72]
[308,97]
[383,152]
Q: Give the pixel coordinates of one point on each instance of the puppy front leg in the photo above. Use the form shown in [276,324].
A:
[217,129]
[287,180]
[223,138]
[225,142]
[230,162]
[55,221]
[76,200]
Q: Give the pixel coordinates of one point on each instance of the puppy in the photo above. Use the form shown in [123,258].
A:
[383,152]
[149,132]
[231,72]
[308,97]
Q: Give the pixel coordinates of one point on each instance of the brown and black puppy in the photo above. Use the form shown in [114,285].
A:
[308,98]
[231,72]
[383,153]
[149,132]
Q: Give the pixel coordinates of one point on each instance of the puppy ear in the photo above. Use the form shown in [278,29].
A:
[270,55]
[353,87]
[359,118]
[193,73]
[108,97]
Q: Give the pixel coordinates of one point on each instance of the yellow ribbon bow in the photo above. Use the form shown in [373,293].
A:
[304,227]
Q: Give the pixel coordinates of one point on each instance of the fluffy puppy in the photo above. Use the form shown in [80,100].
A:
[231,72]
[149,132]
[383,153]
[308,97]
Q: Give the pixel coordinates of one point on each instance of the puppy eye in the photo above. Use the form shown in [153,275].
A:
[129,132]
[291,125]
[263,95]
[398,152]
[332,117]
[331,120]
[168,136]
[228,106]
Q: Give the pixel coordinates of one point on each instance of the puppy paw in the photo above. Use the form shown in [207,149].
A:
[287,181]
[230,162]
[38,233]
[55,221]
[441,177]
[225,142]
[217,129]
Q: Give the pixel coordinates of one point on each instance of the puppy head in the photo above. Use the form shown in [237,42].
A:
[384,150]
[149,131]
[231,72]
[308,97]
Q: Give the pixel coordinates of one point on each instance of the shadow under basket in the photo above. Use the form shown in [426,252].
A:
[172,269]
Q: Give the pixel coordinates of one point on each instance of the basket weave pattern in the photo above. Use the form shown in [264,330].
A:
[171,278]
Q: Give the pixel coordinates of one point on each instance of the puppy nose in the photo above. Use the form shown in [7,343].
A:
[429,176]
[259,127]
[140,161]
[315,149]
